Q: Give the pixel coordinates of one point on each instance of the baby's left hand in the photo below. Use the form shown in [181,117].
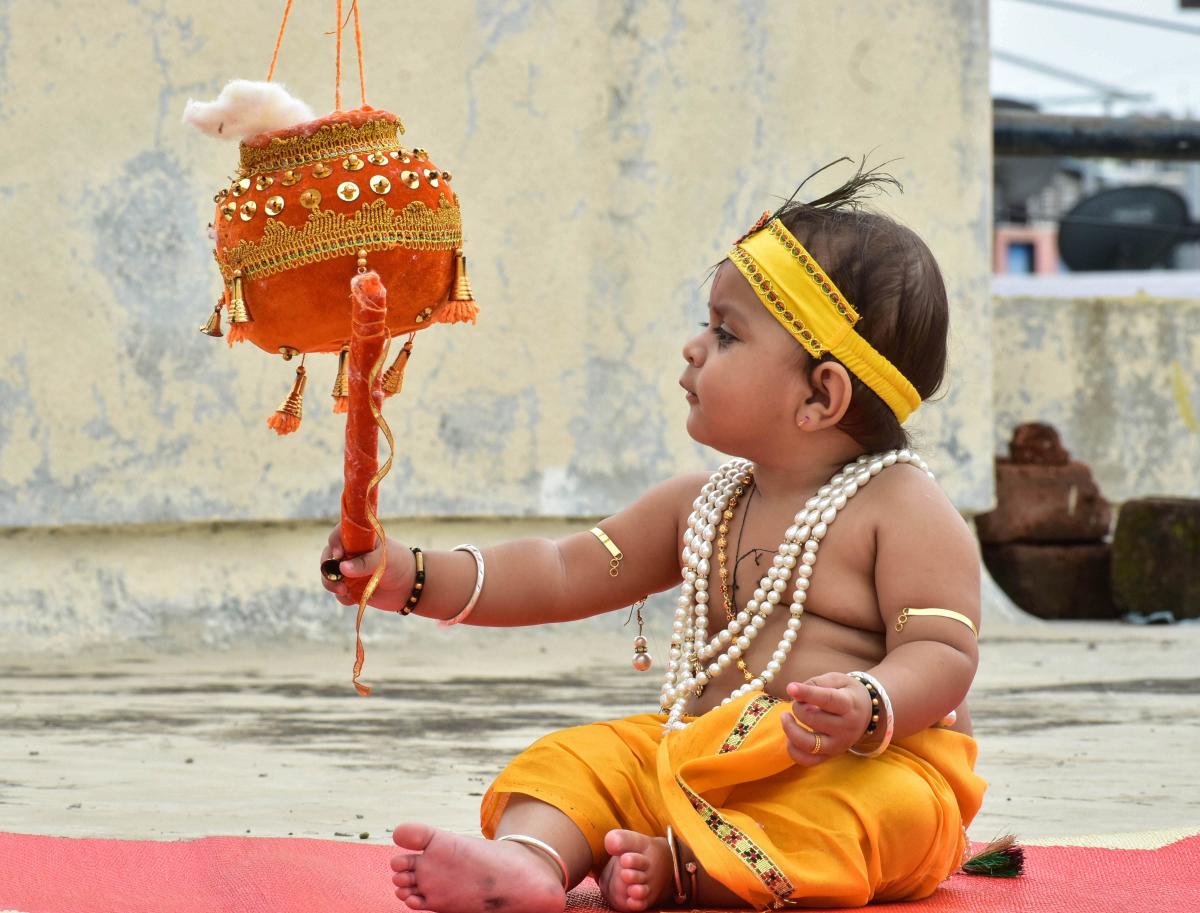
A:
[833,706]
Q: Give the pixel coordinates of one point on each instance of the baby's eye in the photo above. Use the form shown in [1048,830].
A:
[724,337]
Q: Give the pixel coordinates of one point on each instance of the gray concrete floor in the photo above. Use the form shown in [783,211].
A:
[1084,728]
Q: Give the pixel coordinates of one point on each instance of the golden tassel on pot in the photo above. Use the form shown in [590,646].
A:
[462,282]
[341,384]
[393,377]
[461,307]
[239,314]
[287,417]
[213,327]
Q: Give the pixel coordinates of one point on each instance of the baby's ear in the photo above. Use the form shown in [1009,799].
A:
[831,393]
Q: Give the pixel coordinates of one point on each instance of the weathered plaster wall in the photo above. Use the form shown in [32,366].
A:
[606,154]
[1118,377]
[204,586]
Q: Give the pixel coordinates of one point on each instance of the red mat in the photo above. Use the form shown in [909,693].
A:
[255,875]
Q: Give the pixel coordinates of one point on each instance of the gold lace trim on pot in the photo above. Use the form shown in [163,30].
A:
[329,234]
[330,141]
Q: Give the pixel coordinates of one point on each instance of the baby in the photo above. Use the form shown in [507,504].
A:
[812,746]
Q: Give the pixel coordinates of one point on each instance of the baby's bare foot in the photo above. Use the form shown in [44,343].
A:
[452,874]
[639,871]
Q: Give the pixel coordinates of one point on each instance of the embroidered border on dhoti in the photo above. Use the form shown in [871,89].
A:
[742,846]
[751,716]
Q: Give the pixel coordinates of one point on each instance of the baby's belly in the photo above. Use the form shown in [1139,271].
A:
[823,645]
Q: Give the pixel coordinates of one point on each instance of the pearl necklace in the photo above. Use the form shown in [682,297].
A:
[691,646]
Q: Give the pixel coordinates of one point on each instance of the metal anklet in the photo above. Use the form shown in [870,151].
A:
[545,848]
[681,896]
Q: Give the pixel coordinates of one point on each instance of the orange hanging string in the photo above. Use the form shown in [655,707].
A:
[362,83]
[337,85]
[278,41]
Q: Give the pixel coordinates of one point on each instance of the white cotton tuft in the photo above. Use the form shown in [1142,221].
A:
[247,108]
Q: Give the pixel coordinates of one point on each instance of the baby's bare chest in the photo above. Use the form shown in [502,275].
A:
[841,583]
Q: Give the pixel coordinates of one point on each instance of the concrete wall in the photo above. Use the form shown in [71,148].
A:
[606,154]
[1117,375]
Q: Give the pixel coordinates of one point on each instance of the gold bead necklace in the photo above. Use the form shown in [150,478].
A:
[723,561]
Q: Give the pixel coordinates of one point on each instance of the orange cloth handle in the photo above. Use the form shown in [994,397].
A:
[360,496]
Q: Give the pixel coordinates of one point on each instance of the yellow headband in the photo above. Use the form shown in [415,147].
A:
[792,286]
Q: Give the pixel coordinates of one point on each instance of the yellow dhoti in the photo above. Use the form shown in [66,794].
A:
[843,833]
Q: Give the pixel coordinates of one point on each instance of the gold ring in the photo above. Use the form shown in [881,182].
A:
[816,749]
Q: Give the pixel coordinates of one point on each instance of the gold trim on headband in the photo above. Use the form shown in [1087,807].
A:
[796,292]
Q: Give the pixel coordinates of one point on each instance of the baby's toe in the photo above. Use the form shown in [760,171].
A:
[412,901]
[633,876]
[638,862]
[404,862]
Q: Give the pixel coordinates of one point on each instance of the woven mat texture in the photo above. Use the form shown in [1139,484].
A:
[252,875]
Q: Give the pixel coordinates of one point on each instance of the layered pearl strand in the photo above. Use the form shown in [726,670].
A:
[691,646]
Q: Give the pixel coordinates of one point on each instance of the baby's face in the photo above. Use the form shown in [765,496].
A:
[741,380]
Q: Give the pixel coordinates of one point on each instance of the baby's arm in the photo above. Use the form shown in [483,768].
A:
[539,581]
[925,557]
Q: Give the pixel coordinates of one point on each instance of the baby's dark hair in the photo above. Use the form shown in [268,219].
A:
[893,281]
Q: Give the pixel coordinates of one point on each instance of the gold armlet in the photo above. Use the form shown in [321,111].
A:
[940,613]
[614,565]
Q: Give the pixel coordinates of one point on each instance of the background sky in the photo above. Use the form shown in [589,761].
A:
[1135,58]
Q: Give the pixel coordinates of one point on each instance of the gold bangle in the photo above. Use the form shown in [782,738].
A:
[614,565]
[940,613]
[681,896]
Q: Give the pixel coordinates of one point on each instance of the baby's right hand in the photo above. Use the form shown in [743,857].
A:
[395,584]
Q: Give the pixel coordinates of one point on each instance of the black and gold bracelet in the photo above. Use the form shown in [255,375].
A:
[418,582]
[881,713]
[874,695]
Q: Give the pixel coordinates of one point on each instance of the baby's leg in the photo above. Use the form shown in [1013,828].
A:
[640,875]
[453,874]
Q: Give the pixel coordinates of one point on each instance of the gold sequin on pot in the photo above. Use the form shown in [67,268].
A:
[240,187]
[380,184]
[321,170]
[348,191]
[228,210]
[378,158]
[353,163]
[410,180]
[446,175]
[423,315]
[263,182]
[421,153]
[274,206]
[291,177]
[249,208]
[431,177]
[311,198]
[220,195]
